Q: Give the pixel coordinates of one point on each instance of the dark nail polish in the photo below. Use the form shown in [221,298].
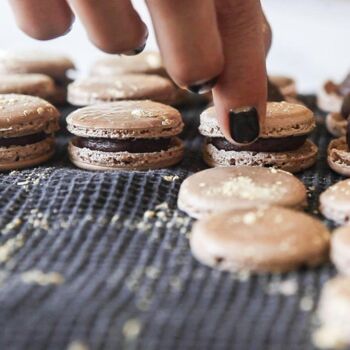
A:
[244,124]
[202,88]
[136,51]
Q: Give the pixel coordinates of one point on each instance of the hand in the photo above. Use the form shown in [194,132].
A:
[204,44]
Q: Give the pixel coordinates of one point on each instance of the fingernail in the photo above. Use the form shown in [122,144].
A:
[244,124]
[135,51]
[203,87]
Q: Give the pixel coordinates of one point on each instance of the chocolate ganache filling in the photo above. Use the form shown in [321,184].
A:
[22,140]
[278,144]
[127,145]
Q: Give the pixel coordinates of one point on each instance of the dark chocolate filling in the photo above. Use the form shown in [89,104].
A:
[127,145]
[22,140]
[278,144]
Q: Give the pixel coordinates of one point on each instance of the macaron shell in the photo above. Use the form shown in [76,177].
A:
[147,62]
[335,202]
[240,187]
[339,156]
[22,115]
[340,250]
[282,119]
[329,102]
[286,85]
[293,161]
[18,157]
[34,61]
[336,124]
[96,160]
[93,90]
[126,119]
[272,239]
[39,85]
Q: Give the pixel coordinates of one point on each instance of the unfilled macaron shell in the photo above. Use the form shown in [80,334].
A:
[126,119]
[329,102]
[241,187]
[335,202]
[272,239]
[87,91]
[338,156]
[23,115]
[340,249]
[286,85]
[336,124]
[282,119]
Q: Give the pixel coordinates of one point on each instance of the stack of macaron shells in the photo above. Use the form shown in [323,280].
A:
[283,143]
[125,135]
[27,125]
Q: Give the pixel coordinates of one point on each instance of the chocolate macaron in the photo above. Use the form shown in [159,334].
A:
[239,187]
[283,143]
[92,90]
[53,65]
[27,125]
[125,135]
[268,239]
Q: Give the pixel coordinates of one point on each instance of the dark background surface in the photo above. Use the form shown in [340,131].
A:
[129,278]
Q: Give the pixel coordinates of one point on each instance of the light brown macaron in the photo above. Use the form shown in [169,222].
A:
[333,313]
[283,142]
[340,249]
[39,85]
[125,135]
[27,125]
[268,239]
[329,99]
[147,62]
[336,124]
[92,90]
[240,187]
[286,84]
[338,156]
[335,202]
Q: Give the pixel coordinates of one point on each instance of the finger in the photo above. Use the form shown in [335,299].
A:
[112,25]
[240,93]
[42,19]
[189,40]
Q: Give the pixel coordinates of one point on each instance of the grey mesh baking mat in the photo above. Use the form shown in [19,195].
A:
[100,260]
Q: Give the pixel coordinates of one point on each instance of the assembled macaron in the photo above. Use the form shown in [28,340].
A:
[125,135]
[27,125]
[92,90]
[239,187]
[267,239]
[283,143]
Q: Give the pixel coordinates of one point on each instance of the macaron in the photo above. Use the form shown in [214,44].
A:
[39,85]
[268,239]
[340,249]
[338,155]
[147,62]
[286,84]
[125,135]
[283,143]
[239,187]
[333,313]
[336,122]
[27,125]
[91,90]
[335,202]
[54,65]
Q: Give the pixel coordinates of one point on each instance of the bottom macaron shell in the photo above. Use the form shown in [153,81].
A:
[293,161]
[18,157]
[96,160]
[339,156]
[329,102]
[336,124]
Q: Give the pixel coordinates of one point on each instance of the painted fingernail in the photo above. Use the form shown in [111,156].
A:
[203,87]
[135,51]
[244,124]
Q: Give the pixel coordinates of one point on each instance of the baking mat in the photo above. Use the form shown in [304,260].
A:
[100,260]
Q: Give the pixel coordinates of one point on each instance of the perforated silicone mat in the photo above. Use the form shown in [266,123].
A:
[100,260]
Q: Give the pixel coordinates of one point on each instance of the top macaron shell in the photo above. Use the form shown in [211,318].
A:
[87,91]
[24,115]
[240,187]
[283,119]
[53,65]
[126,119]
[145,62]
